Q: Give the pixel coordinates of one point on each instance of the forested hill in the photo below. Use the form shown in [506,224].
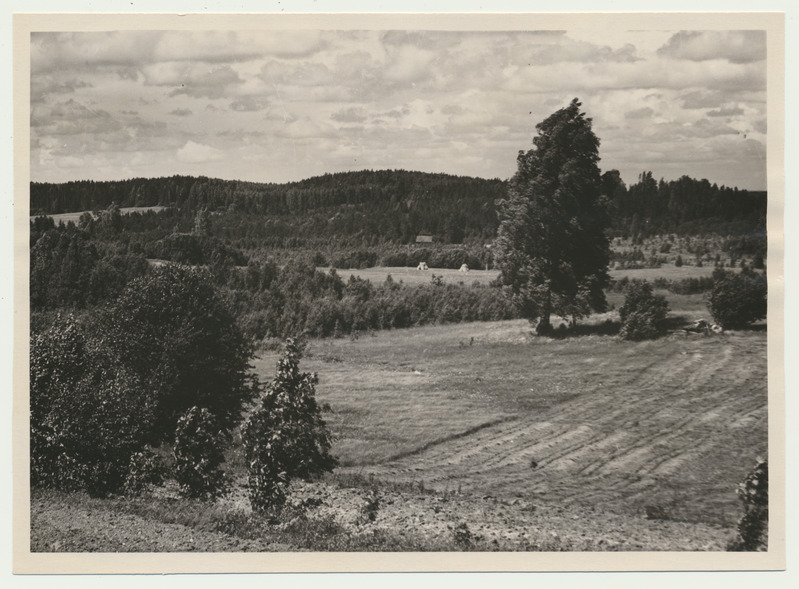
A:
[396,205]
[391,205]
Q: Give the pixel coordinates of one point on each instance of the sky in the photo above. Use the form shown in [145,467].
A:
[277,106]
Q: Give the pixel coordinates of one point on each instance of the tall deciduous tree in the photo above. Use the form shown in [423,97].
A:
[553,251]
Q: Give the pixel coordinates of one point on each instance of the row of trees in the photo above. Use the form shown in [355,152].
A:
[370,208]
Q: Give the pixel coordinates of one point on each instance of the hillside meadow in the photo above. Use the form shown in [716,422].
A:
[483,436]
[664,428]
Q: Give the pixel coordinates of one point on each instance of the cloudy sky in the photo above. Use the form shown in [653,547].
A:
[275,106]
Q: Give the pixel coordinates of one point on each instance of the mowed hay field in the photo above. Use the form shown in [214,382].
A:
[412,276]
[662,429]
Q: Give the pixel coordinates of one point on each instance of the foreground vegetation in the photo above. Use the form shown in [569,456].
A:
[581,443]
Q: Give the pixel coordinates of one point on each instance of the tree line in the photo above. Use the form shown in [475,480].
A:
[369,208]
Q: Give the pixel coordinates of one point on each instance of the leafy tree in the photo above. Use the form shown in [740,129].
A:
[738,299]
[285,437]
[88,416]
[173,331]
[199,452]
[643,315]
[553,252]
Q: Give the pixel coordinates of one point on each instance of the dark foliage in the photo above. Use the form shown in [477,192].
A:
[285,437]
[146,470]
[552,248]
[199,453]
[753,493]
[643,315]
[88,415]
[372,208]
[177,335]
[738,299]
[685,206]
[298,299]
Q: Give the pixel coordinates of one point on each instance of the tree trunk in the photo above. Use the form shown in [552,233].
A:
[544,326]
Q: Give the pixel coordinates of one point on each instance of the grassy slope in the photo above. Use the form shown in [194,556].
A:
[619,432]
[666,427]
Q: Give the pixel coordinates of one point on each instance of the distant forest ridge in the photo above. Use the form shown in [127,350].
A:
[398,205]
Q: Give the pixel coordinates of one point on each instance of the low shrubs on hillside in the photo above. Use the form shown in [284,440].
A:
[298,299]
[105,387]
[683,286]
[643,315]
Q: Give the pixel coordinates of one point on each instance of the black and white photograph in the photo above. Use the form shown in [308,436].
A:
[413,286]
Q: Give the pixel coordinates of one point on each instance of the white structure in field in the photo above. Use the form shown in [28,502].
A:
[464,268]
[422,266]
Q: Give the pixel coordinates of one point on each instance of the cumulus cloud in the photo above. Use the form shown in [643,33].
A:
[639,113]
[44,85]
[726,112]
[198,153]
[208,84]
[126,51]
[315,101]
[249,104]
[353,114]
[732,46]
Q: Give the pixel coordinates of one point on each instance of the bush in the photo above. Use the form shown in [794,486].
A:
[643,315]
[285,437]
[175,333]
[147,469]
[753,493]
[88,417]
[738,300]
[199,452]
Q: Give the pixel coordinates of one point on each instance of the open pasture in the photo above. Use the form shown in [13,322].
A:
[412,276]
[67,217]
[662,429]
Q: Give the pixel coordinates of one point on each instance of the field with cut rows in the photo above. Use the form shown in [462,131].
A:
[662,429]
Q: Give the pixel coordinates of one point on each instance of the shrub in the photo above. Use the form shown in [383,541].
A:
[199,452]
[738,300]
[643,315]
[285,437]
[88,417]
[178,336]
[753,493]
[147,469]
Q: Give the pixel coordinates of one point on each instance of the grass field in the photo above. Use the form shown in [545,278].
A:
[664,429]
[67,217]
[412,276]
